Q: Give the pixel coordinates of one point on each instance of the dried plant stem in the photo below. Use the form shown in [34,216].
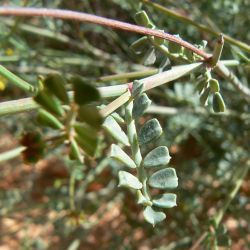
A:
[83,17]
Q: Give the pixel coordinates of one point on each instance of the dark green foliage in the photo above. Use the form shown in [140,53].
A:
[56,84]
[84,92]
[218,103]
[90,115]
[141,104]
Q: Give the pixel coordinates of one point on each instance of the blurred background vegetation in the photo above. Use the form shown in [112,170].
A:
[207,150]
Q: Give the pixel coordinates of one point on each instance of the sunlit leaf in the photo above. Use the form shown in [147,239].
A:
[152,216]
[128,180]
[157,157]
[150,131]
[164,178]
[114,129]
[165,200]
[118,154]
[141,104]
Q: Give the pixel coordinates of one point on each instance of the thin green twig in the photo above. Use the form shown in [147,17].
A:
[16,80]
[27,104]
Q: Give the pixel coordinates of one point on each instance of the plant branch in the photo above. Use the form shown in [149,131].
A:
[27,104]
[152,82]
[220,69]
[228,75]
[201,27]
[83,17]
[16,80]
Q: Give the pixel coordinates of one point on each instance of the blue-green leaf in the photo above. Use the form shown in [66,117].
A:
[152,216]
[118,154]
[128,180]
[141,104]
[175,48]
[165,200]
[137,88]
[114,129]
[150,131]
[164,178]
[157,157]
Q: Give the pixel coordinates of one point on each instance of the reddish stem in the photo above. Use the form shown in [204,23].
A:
[83,17]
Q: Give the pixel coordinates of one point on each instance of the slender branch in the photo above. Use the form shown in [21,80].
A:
[17,106]
[152,82]
[83,17]
[27,104]
[150,71]
[129,75]
[220,69]
[228,75]
[201,27]
[16,80]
